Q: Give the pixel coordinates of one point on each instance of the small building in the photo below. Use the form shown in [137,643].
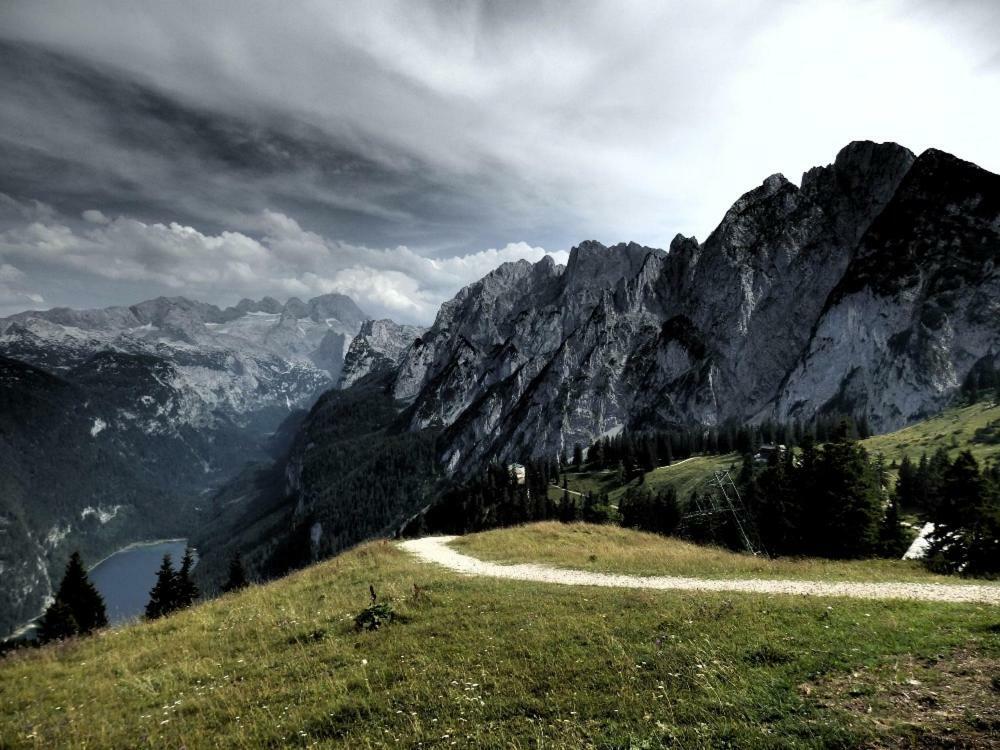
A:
[518,471]
[764,452]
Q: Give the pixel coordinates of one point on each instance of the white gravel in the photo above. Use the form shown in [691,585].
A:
[435,549]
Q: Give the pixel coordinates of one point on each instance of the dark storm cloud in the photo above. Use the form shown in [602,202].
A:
[271,147]
[111,141]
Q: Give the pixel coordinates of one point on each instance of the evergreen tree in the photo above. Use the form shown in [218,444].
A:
[568,512]
[57,623]
[577,455]
[772,500]
[966,536]
[907,485]
[78,594]
[187,590]
[163,596]
[237,575]
[850,498]
[893,541]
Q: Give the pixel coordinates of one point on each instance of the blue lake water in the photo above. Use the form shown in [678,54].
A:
[125,578]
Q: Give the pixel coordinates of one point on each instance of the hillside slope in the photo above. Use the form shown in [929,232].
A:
[480,663]
[975,428]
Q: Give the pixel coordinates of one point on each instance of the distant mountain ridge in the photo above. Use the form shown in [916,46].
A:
[378,347]
[159,403]
[872,289]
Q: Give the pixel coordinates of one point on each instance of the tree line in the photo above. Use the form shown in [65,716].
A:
[962,500]
[79,609]
[832,499]
[637,452]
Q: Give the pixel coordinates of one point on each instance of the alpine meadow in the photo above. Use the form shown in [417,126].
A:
[323,425]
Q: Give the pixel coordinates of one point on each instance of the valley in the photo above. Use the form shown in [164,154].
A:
[118,425]
[587,376]
[288,432]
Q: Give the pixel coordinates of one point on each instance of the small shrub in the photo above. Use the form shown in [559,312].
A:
[375,616]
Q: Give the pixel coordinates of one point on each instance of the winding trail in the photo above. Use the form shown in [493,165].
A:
[435,549]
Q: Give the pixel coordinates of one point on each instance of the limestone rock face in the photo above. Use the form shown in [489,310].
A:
[378,347]
[871,289]
[254,362]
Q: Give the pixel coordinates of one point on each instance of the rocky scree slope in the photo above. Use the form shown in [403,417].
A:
[872,288]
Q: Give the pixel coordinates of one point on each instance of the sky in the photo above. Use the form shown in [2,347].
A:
[396,151]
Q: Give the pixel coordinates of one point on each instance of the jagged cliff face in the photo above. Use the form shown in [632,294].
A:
[919,306]
[870,289]
[378,347]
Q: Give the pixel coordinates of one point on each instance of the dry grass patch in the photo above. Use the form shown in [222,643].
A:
[946,701]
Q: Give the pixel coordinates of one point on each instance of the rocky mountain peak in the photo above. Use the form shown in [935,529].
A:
[791,307]
[336,306]
[378,347]
[593,265]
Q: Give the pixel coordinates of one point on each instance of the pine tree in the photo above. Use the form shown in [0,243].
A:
[57,623]
[907,484]
[893,540]
[79,595]
[851,498]
[666,512]
[163,595]
[187,590]
[966,534]
[237,575]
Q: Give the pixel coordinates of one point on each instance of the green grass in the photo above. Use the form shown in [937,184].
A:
[483,663]
[688,475]
[685,476]
[613,549]
[953,429]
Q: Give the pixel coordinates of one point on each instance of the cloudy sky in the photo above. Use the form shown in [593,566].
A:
[395,151]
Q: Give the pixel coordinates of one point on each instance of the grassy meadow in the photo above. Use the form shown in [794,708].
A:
[975,428]
[954,429]
[613,549]
[507,664]
[685,475]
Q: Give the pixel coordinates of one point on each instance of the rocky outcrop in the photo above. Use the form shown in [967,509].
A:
[378,347]
[869,289]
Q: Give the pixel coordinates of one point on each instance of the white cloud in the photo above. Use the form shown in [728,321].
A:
[95,217]
[284,260]
[14,296]
[14,210]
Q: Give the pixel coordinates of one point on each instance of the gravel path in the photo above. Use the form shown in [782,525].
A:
[435,549]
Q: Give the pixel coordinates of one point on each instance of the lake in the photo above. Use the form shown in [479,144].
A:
[125,578]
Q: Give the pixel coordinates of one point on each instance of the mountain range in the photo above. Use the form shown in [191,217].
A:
[116,424]
[871,289]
